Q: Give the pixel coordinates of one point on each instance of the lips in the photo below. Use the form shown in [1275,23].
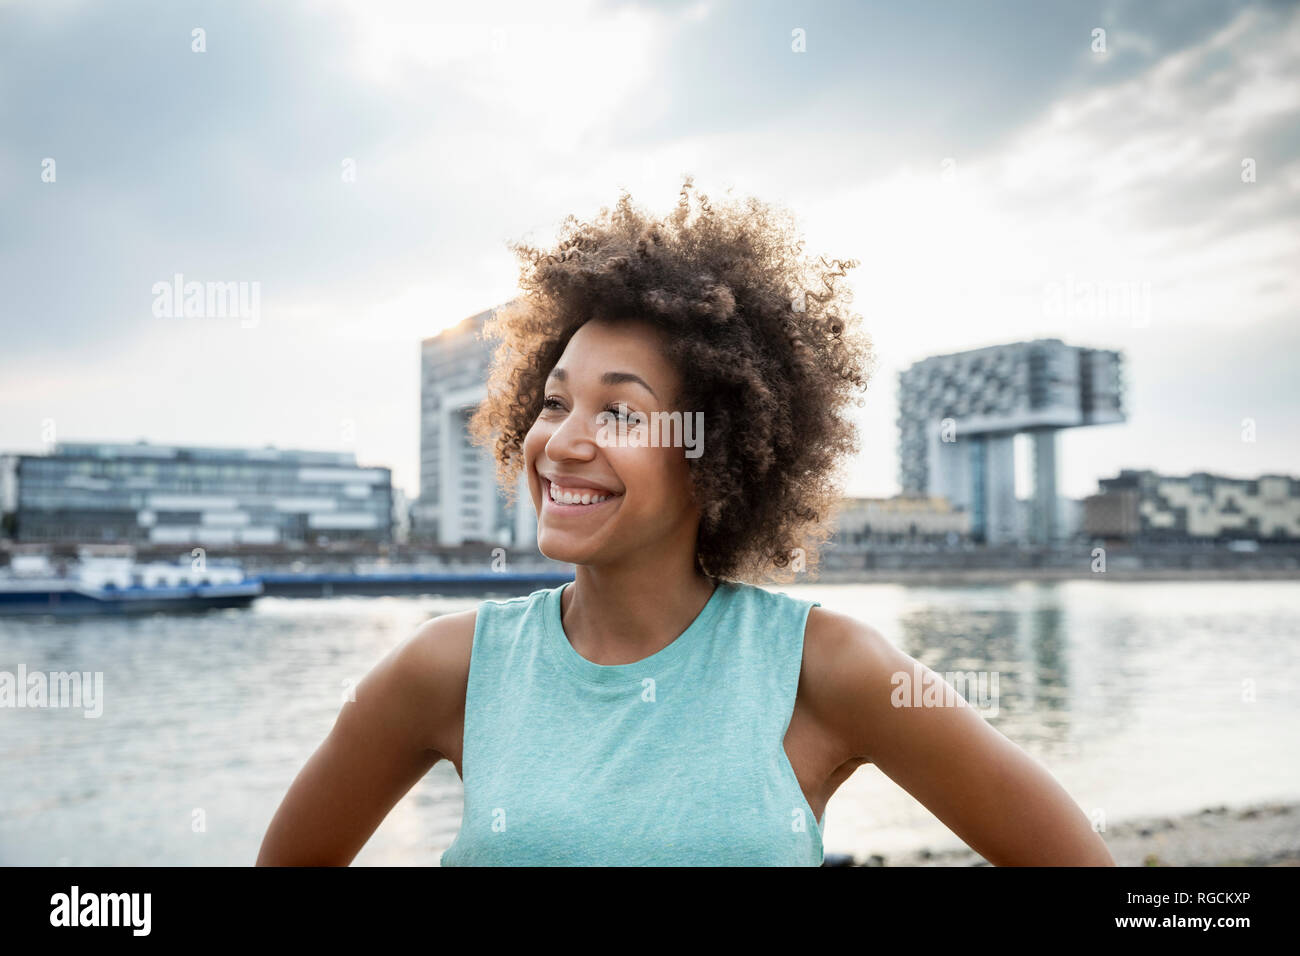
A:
[575,496]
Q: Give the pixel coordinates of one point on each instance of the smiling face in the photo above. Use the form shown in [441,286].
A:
[608,372]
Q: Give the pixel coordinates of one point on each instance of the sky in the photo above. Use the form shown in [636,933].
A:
[363,168]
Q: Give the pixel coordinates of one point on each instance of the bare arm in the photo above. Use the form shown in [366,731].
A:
[381,744]
[998,799]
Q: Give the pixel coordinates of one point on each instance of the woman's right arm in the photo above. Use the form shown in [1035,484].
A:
[406,711]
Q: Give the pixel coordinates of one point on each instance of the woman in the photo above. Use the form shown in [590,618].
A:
[674,392]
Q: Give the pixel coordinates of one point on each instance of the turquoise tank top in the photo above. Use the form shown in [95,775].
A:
[674,760]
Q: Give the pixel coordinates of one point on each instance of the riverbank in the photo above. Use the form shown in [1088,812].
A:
[1260,835]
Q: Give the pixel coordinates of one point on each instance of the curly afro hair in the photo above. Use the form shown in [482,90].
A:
[760,336]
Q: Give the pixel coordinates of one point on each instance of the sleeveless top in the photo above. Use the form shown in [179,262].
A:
[674,760]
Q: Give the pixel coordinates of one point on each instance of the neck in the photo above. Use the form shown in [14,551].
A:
[619,615]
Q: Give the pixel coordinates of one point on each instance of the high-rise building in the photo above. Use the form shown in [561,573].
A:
[459,501]
[169,494]
[958,416]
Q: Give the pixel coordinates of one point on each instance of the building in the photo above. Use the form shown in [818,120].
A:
[1150,507]
[958,416]
[903,519]
[459,501]
[1112,515]
[165,494]
[1069,518]
[401,517]
[8,495]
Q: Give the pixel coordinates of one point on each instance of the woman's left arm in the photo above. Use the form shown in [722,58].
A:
[998,799]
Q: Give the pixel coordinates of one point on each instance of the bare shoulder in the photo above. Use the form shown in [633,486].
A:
[848,676]
[840,650]
[433,665]
[444,642]
[832,631]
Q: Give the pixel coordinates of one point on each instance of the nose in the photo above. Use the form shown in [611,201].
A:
[573,440]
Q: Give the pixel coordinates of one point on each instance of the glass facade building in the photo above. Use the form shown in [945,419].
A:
[156,494]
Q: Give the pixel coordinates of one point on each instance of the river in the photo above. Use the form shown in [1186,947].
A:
[1140,697]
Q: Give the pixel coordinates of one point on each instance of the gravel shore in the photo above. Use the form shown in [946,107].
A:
[1262,835]
[943,577]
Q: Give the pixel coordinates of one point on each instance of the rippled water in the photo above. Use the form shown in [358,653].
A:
[1145,697]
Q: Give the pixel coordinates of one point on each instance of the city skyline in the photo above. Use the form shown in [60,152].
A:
[1140,198]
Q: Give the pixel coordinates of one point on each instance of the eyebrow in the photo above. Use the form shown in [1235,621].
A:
[609,378]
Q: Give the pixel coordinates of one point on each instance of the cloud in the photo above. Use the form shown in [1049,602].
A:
[470,127]
[1129,186]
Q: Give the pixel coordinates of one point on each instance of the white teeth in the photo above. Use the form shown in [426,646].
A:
[566,497]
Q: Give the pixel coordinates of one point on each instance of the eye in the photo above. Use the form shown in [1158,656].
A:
[622,413]
[551,402]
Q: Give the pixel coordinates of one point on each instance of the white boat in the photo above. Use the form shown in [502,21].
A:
[118,584]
